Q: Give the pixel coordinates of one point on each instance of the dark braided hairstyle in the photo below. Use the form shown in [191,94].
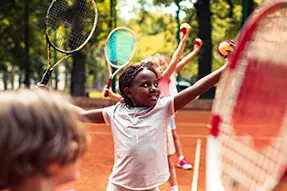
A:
[128,76]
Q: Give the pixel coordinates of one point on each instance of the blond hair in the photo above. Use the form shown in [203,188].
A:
[158,59]
[38,128]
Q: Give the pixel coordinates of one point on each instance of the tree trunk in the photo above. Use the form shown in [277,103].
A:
[26,40]
[5,80]
[248,7]
[78,77]
[204,33]
[230,12]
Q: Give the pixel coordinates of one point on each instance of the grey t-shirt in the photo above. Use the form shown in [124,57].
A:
[139,135]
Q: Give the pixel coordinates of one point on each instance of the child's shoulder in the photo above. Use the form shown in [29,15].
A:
[164,101]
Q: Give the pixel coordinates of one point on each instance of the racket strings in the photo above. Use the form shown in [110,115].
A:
[253,133]
[120,47]
[269,41]
[69,23]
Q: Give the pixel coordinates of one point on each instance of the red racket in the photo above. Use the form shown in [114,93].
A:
[248,135]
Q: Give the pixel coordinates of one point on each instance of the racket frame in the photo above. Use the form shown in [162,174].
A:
[244,38]
[111,65]
[47,75]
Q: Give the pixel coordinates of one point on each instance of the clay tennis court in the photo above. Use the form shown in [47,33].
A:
[98,162]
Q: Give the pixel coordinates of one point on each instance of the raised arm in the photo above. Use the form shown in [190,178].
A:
[189,57]
[176,56]
[202,85]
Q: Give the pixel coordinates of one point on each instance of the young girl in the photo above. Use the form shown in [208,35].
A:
[41,141]
[164,60]
[139,127]
[166,69]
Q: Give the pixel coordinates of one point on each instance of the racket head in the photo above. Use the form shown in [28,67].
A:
[120,47]
[70,24]
[249,114]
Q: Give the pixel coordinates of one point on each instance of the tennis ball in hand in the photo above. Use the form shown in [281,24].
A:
[198,41]
[224,48]
[184,27]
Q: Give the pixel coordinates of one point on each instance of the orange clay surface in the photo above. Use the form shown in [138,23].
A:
[97,163]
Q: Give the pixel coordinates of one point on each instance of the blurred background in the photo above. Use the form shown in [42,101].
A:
[23,53]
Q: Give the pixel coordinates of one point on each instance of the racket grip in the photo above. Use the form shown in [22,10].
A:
[106,94]
[46,77]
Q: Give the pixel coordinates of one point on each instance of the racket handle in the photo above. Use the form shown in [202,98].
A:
[106,94]
[46,77]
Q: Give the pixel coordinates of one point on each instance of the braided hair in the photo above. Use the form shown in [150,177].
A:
[128,76]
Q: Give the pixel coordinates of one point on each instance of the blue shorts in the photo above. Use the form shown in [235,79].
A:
[171,124]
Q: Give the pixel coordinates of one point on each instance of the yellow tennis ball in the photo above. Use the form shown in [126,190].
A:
[224,48]
[184,27]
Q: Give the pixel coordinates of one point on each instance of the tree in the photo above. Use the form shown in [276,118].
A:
[204,33]
[248,7]
[22,37]
[95,47]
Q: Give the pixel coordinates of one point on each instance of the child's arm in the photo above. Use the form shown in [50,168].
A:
[189,57]
[113,95]
[92,116]
[176,56]
[202,85]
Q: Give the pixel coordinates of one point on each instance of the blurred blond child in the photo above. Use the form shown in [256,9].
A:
[41,141]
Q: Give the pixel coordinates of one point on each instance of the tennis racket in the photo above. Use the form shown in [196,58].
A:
[248,135]
[119,50]
[69,26]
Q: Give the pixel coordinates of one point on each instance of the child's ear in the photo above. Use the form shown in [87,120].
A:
[127,92]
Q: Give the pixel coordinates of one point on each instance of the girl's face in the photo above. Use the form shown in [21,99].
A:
[159,69]
[144,89]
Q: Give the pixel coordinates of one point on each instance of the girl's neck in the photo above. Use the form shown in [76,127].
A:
[34,184]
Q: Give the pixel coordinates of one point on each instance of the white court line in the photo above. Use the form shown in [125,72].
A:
[196,166]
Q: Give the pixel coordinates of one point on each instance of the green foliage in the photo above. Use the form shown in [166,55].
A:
[224,27]
[156,32]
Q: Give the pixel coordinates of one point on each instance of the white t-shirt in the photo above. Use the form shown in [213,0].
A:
[139,135]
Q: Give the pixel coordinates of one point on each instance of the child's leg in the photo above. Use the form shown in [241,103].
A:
[170,151]
[177,144]
[172,179]
[183,163]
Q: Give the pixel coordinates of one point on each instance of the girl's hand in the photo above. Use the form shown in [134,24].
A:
[226,48]
[42,87]
[185,29]
[230,52]
[197,44]
[106,91]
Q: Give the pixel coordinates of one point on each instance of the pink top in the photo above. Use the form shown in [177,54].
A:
[163,85]
[172,84]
